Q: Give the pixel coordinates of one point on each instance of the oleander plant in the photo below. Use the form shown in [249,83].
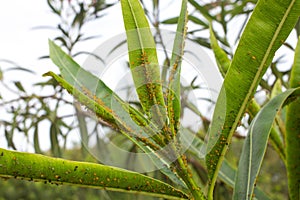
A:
[206,168]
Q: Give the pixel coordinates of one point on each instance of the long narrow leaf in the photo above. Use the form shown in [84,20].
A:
[59,171]
[143,61]
[222,59]
[55,148]
[78,77]
[174,105]
[174,101]
[275,136]
[202,10]
[99,109]
[228,174]
[83,129]
[293,132]
[256,144]
[266,30]
[223,63]
[36,144]
[192,18]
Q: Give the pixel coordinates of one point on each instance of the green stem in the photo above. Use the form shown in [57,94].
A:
[185,174]
[182,169]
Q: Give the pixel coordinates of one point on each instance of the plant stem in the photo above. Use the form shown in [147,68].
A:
[185,174]
[181,168]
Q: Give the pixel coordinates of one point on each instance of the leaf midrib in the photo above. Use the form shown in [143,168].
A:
[136,25]
[243,106]
[257,75]
[250,161]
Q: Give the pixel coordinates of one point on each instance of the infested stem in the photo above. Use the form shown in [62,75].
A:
[182,169]
[185,174]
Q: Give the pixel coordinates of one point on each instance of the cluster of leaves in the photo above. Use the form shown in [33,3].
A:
[243,72]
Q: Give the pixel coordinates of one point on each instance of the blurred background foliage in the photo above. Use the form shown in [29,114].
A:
[29,113]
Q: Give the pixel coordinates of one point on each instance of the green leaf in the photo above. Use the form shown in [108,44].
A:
[202,41]
[228,174]
[223,63]
[83,129]
[174,104]
[293,132]
[55,148]
[36,139]
[198,21]
[222,59]
[143,61]
[192,18]
[172,20]
[77,76]
[144,65]
[204,11]
[59,171]
[275,137]
[9,138]
[265,32]
[277,88]
[19,85]
[256,144]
